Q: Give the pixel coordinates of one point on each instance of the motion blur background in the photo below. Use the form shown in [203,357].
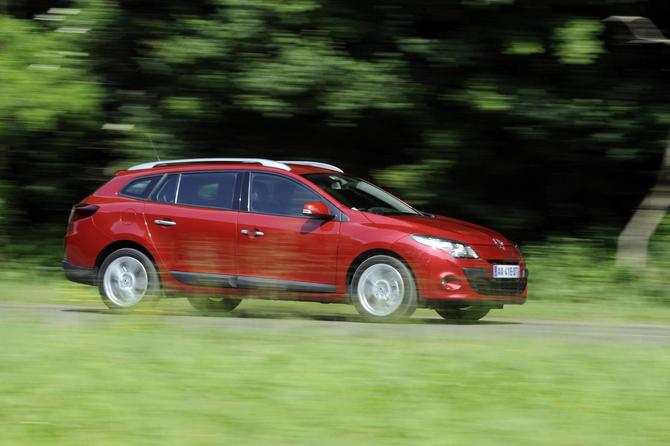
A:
[527,116]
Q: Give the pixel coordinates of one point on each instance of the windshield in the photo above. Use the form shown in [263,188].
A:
[360,195]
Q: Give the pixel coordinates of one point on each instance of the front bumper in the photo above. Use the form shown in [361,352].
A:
[464,303]
[443,280]
[474,286]
[482,283]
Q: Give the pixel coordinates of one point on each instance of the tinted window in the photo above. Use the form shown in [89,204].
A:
[140,188]
[273,194]
[360,195]
[212,190]
[168,190]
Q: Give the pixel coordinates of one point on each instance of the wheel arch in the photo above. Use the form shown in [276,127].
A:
[362,257]
[120,244]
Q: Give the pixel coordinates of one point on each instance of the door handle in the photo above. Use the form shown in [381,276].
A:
[165,223]
[256,233]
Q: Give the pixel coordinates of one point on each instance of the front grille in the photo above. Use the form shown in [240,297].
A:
[502,262]
[484,284]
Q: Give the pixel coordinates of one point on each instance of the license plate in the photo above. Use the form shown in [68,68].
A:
[506,272]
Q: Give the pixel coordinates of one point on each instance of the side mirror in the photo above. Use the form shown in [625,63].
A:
[316,209]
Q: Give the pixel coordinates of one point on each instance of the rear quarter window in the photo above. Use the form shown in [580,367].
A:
[207,189]
[141,187]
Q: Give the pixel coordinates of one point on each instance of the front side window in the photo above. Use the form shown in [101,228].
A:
[274,194]
[207,189]
[360,195]
[141,187]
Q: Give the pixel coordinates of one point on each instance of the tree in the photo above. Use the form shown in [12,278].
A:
[633,242]
[49,100]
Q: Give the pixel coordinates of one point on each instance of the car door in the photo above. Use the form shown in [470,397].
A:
[280,248]
[192,220]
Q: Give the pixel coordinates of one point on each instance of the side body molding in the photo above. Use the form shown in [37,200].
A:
[226,281]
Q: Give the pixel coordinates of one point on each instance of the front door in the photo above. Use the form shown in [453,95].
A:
[193,224]
[279,248]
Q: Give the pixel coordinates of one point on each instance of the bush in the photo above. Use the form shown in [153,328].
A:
[584,270]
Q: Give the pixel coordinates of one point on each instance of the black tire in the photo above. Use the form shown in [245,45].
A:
[463,314]
[110,287]
[206,303]
[403,301]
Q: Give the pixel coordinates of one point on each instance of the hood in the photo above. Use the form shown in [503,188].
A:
[439,226]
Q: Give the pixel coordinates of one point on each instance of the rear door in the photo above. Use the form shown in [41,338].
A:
[192,220]
[278,247]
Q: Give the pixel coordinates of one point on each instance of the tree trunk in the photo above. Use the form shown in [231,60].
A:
[633,244]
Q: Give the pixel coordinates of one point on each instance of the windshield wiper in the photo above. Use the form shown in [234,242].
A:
[385,211]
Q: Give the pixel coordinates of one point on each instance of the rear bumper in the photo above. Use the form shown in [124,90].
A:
[80,274]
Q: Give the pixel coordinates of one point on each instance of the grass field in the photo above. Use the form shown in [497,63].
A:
[150,380]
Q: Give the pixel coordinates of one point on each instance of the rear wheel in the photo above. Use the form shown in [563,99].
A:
[463,314]
[128,278]
[383,289]
[206,303]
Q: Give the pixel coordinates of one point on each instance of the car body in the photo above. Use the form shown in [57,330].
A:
[219,230]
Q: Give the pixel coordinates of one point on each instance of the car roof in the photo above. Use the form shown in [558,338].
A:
[296,167]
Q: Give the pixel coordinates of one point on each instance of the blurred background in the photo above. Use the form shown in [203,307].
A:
[533,119]
[536,118]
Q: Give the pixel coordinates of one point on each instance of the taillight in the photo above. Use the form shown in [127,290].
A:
[82,210]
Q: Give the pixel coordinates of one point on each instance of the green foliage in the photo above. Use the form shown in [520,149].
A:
[412,180]
[483,95]
[524,48]
[520,116]
[50,101]
[42,83]
[273,66]
[578,41]
[582,270]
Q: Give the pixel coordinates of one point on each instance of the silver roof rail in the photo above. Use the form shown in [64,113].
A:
[314,164]
[263,162]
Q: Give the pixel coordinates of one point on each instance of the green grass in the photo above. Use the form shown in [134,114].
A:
[584,271]
[81,379]
[120,380]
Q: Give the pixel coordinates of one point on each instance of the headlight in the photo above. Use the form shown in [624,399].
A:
[456,249]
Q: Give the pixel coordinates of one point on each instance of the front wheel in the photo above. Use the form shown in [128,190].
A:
[383,289]
[206,303]
[127,278]
[463,314]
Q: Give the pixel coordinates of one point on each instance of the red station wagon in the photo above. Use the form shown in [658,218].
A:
[218,230]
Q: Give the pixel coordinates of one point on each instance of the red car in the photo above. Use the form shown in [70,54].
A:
[218,230]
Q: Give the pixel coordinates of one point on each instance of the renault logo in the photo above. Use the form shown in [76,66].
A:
[498,243]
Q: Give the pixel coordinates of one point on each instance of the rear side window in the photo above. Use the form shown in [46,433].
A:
[168,190]
[207,189]
[141,187]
